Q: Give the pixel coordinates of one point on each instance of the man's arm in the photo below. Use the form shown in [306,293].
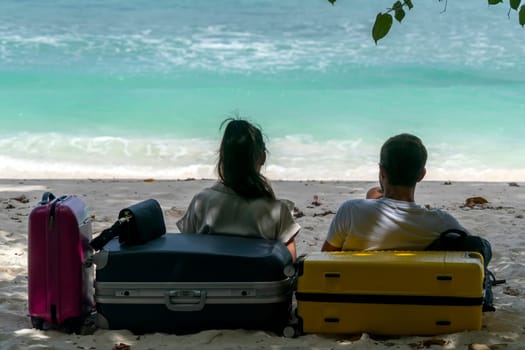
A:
[291,247]
[327,247]
[374,193]
[338,230]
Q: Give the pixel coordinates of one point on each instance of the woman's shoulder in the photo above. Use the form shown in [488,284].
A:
[219,187]
[214,190]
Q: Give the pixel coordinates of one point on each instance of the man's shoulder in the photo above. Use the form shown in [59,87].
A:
[441,219]
[359,203]
[438,212]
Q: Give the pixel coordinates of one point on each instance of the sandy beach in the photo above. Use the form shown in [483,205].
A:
[501,221]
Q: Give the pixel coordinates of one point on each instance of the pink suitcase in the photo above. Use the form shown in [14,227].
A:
[60,283]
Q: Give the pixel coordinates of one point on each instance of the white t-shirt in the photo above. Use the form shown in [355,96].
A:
[219,209]
[376,224]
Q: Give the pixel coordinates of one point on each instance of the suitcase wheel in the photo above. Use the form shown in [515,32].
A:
[72,325]
[293,327]
[290,331]
[37,322]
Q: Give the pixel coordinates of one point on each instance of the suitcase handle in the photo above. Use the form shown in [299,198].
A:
[187,300]
[47,197]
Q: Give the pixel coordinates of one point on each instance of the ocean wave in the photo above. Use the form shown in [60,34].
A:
[294,157]
[249,44]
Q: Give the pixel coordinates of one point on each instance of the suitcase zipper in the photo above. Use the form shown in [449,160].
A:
[52,210]
[389,299]
[52,213]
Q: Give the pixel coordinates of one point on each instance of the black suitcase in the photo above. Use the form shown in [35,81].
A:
[189,282]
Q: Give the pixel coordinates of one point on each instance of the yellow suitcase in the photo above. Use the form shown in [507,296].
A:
[390,292]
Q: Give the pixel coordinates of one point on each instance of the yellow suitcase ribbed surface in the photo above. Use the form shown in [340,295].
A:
[390,275]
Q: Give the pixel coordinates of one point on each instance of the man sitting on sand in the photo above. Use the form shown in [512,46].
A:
[389,218]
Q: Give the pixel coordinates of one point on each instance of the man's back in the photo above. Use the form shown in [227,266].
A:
[390,218]
[376,224]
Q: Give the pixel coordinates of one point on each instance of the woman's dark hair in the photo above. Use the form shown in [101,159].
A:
[241,154]
[403,157]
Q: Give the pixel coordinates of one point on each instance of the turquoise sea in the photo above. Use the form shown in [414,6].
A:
[138,88]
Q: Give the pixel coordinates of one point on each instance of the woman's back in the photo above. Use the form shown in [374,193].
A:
[242,202]
[220,210]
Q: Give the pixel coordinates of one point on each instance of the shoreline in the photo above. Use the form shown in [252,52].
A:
[368,175]
[501,221]
[211,179]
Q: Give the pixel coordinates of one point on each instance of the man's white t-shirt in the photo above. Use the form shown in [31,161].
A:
[219,209]
[376,224]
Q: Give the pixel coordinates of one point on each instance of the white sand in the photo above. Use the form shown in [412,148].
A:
[502,222]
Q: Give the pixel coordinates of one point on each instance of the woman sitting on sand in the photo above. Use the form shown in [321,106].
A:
[242,202]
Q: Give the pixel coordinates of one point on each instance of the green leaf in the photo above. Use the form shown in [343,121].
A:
[522,15]
[397,6]
[409,4]
[495,2]
[382,26]
[331,1]
[514,4]
[399,15]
